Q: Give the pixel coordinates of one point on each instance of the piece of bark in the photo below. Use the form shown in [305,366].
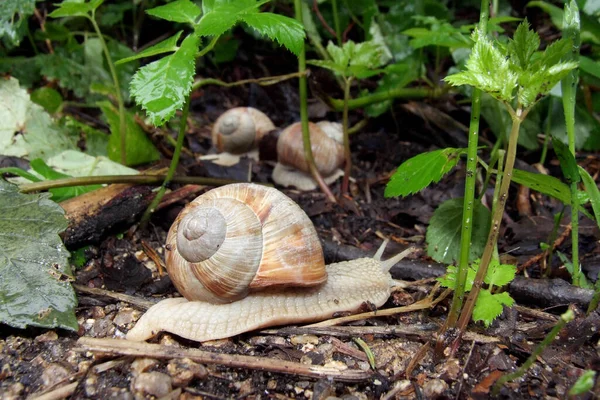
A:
[529,291]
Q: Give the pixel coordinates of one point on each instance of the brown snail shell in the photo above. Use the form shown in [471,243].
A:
[240,129]
[230,240]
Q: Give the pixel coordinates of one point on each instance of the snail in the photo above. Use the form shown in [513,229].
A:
[237,132]
[245,257]
[327,148]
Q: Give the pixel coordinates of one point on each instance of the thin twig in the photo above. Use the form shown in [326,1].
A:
[136,301]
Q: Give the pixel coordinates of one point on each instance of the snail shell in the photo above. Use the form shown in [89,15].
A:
[239,130]
[241,237]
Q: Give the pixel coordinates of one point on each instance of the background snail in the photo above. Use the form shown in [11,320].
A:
[239,130]
[285,234]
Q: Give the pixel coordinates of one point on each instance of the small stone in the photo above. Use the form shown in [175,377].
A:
[54,373]
[304,339]
[152,383]
[5,371]
[182,371]
[14,392]
[303,384]
[125,317]
[140,365]
[267,341]
[434,388]
[98,312]
[101,328]
[340,366]
[49,336]
[244,388]
[272,384]
[91,385]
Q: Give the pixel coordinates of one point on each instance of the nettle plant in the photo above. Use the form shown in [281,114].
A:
[516,75]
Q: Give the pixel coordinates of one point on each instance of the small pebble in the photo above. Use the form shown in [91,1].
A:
[140,365]
[434,388]
[340,366]
[272,384]
[125,317]
[49,336]
[91,385]
[14,392]
[54,373]
[152,383]
[182,371]
[304,339]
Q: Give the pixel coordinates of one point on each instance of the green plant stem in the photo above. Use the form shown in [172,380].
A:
[547,130]
[209,47]
[551,239]
[595,298]
[173,165]
[266,81]
[404,93]
[517,117]
[115,78]
[564,319]
[575,234]
[302,91]
[110,179]
[347,153]
[336,22]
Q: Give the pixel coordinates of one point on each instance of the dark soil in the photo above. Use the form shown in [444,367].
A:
[35,361]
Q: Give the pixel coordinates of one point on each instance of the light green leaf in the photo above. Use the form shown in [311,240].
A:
[75,9]
[449,280]
[339,55]
[140,149]
[76,163]
[544,184]
[59,194]
[489,306]
[183,11]
[568,164]
[48,98]
[523,45]
[285,31]
[330,65]
[34,267]
[367,55]
[499,274]
[443,233]
[420,171]
[589,66]
[166,46]
[584,384]
[26,130]
[13,13]
[162,86]
[592,190]
[219,19]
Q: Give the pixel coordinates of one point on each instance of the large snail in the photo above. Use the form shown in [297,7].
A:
[239,130]
[245,257]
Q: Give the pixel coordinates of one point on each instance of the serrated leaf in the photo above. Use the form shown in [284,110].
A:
[444,231]
[500,274]
[75,9]
[327,64]
[286,31]
[13,13]
[183,11]
[489,306]
[140,149]
[523,45]
[449,280]
[592,190]
[420,171]
[34,267]
[487,70]
[568,164]
[166,46]
[26,130]
[161,87]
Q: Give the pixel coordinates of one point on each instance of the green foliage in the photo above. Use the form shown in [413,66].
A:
[59,194]
[584,384]
[568,164]
[438,33]
[420,171]
[162,86]
[168,45]
[13,19]
[48,98]
[395,76]
[489,305]
[590,25]
[178,11]
[76,9]
[443,233]
[592,190]
[140,149]
[516,70]
[34,268]
[357,60]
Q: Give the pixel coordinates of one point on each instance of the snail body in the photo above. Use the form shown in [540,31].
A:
[294,285]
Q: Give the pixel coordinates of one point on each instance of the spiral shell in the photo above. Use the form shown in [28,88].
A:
[241,237]
[239,130]
[326,144]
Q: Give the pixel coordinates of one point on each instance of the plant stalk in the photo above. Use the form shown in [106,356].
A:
[115,78]
[302,90]
[336,22]
[403,93]
[347,153]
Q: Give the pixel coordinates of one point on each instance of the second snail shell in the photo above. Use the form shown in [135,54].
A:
[230,241]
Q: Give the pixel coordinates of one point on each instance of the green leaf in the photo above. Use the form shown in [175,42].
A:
[592,190]
[178,11]
[420,171]
[76,163]
[13,13]
[589,66]
[449,280]
[70,68]
[500,274]
[221,17]
[584,384]
[166,46]
[327,64]
[48,98]
[74,9]
[26,130]
[139,147]
[568,164]
[34,267]
[489,306]
[487,70]
[523,45]
[544,184]
[285,31]
[162,86]
[396,76]
[443,233]
[59,194]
